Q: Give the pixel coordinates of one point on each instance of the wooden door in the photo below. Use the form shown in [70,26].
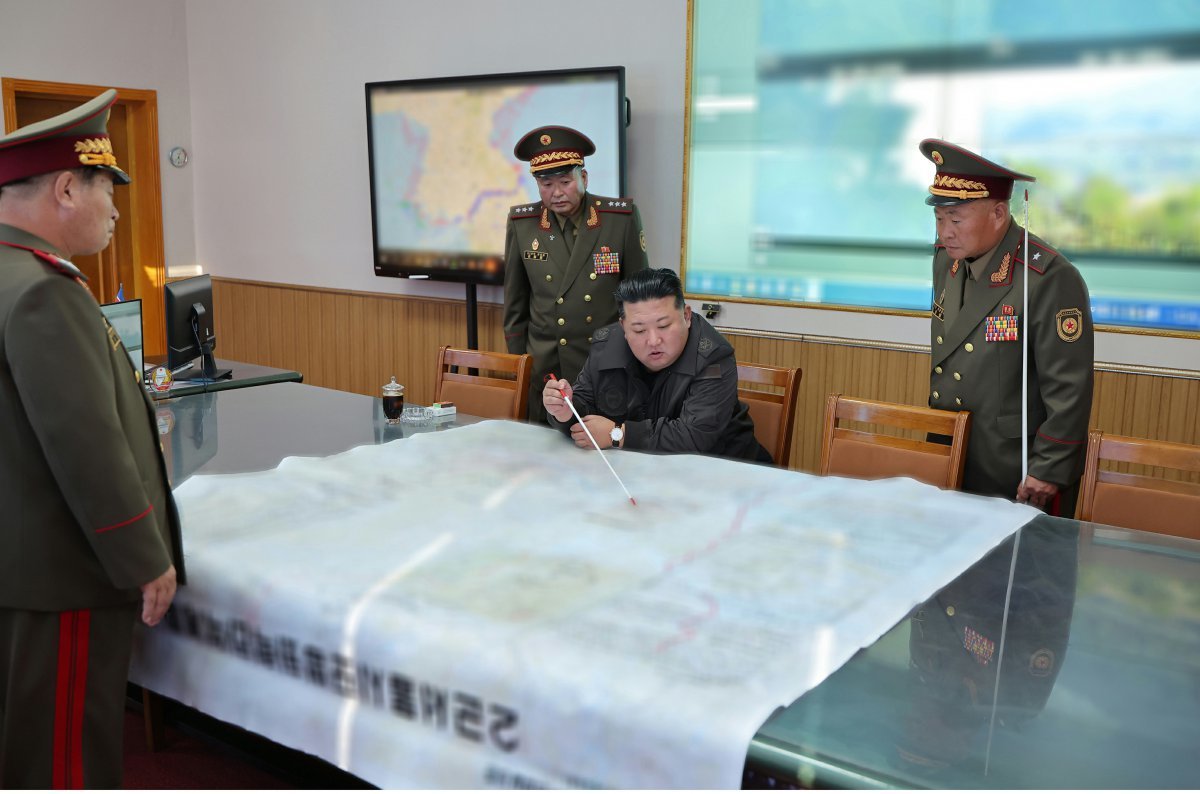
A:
[134,258]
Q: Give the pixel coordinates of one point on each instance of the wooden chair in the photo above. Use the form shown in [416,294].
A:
[867,455]
[489,394]
[1140,501]
[773,412]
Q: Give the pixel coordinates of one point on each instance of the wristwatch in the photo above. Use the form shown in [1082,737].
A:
[618,433]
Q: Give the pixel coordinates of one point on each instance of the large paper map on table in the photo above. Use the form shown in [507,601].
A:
[483,606]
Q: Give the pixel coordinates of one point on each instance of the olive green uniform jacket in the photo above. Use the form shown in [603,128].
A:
[976,364]
[88,515]
[555,300]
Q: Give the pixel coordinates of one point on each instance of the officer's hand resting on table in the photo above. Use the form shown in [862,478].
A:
[157,596]
[1036,492]
[552,399]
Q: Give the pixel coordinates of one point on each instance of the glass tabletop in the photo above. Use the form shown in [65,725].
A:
[253,429]
[1085,674]
[243,376]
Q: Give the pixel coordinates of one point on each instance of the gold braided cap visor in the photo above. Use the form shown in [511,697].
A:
[558,159]
[970,186]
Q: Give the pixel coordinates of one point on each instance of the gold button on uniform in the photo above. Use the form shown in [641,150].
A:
[589,340]
[592,276]
[968,347]
[936,395]
[958,400]
[938,370]
[957,376]
[939,340]
[562,342]
[549,277]
[561,321]
[950,611]
[587,298]
[559,301]
[589,318]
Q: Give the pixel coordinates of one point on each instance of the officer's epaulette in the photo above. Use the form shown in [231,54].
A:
[1041,255]
[533,210]
[57,263]
[61,266]
[623,205]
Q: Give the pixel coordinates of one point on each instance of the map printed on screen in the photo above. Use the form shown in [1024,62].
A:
[443,171]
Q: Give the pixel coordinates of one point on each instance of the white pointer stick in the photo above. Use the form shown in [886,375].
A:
[1025,355]
[571,405]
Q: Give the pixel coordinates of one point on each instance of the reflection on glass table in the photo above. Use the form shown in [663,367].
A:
[1097,659]
[258,427]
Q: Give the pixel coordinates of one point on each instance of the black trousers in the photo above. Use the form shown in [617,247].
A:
[62,696]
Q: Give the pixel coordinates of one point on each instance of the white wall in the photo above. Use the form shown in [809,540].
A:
[279,131]
[267,95]
[115,43]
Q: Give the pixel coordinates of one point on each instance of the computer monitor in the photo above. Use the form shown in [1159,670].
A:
[126,319]
[189,310]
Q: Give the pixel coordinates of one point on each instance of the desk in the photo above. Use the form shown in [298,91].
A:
[244,375]
[845,731]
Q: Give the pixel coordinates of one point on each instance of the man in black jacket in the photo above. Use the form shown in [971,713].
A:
[659,379]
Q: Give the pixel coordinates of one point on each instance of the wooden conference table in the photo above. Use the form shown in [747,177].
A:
[1099,676]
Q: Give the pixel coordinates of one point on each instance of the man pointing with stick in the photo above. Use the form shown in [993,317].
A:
[996,290]
[661,379]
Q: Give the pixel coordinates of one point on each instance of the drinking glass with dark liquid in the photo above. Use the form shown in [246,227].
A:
[393,401]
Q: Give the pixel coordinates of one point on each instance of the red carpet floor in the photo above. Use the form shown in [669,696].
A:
[203,753]
[187,762]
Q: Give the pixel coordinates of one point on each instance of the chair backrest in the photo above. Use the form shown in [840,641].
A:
[489,393]
[867,455]
[1140,501]
[773,411]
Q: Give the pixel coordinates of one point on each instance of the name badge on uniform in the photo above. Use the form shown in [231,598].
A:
[606,261]
[535,256]
[1001,329]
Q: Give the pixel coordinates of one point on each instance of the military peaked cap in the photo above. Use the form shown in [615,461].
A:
[964,176]
[75,139]
[553,150]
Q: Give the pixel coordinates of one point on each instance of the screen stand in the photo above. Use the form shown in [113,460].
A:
[472,323]
[472,318]
[208,365]
[208,362]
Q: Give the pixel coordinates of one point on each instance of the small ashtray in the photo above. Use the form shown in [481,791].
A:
[416,415]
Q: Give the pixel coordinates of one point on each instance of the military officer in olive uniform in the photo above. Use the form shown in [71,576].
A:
[979,316]
[563,257]
[90,537]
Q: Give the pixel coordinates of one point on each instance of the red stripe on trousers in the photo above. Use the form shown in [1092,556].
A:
[69,695]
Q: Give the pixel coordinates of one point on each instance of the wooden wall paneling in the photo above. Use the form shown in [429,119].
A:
[356,341]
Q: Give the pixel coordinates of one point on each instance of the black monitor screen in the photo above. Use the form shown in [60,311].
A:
[443,172]
[190,327]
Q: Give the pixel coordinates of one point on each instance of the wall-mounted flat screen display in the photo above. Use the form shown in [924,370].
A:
[443,173]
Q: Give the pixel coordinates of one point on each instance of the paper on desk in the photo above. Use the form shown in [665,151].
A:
[482,607]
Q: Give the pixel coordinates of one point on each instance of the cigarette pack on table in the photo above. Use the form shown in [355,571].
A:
[443,409]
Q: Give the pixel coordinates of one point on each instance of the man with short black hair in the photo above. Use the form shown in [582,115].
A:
[660,379]
[90,538]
